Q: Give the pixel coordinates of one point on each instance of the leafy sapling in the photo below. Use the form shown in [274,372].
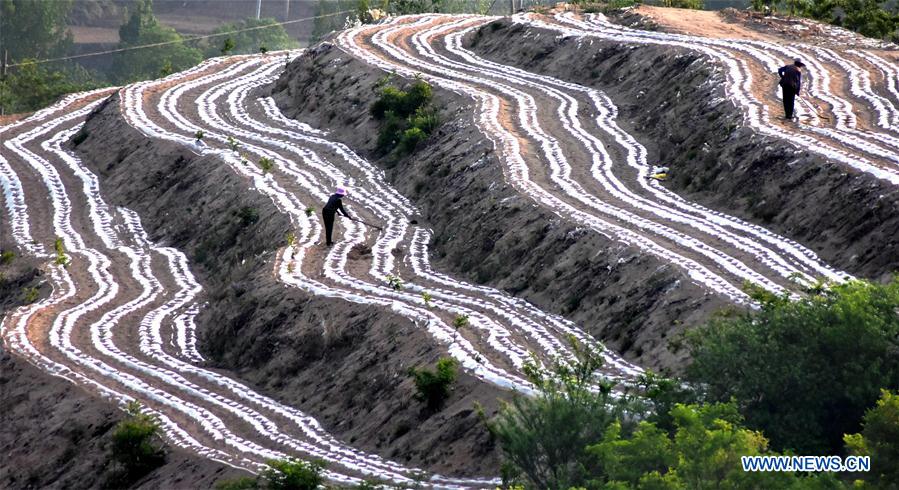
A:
[426,297]
[233,144]
[310,211]
[266,164]
[394,282]
[199,135]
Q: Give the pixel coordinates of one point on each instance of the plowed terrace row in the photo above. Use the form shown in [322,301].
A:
[120,320]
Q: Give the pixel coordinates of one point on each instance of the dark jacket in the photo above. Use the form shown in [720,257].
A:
[334,205]
[790,78]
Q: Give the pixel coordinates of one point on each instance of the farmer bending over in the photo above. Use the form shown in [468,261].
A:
[790,82]
[330,211]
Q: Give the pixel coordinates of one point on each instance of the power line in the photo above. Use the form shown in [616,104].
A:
[195,38]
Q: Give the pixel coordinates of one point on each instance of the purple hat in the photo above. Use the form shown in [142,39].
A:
[340,191]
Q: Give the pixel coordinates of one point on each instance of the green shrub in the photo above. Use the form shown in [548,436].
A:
[7,257]
[704,452]
[136,445]
[61,258]
[406,117]
[293,474]
[803,371]
[684,4]
[433,387]
[410,139]
[266,164]
[390,133]
[395,282]
[228,46]
[879,439]
[247,216]
[30,294]
[199,134]
[426,297]
[310,211]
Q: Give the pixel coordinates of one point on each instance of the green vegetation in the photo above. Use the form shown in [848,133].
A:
[247,216]
[879,439]
[872,18]
[233,144]
[575,433]
[30,29]
[30,295]
[433,387]
[394,282]
[286,474]
[266,33]
[460,321]
[309,210]
[31,86]
[266,164]
[803,371]
[544,438]
[703,453]
[426,297]
[7,257]
[291,238]
[407,118]
[136,445]
[61,258]
[199,134]
[142,28]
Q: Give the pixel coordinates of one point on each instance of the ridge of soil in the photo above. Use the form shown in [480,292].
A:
[847,217]
[343,363]
[54,434]
[486,232]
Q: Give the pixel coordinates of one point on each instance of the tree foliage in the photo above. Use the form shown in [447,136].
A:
[545,437]
[266,32]
[136,445]
[879,439]
[292,474]
[34,29]
[433,386]
[803,371]
[31,86]
[704,452]
[143,28]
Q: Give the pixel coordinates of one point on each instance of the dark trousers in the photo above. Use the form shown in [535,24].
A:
[789,99]
[329,224]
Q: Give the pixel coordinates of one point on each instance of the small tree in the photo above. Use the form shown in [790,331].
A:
[310,210]
[426,297]
[233,144]
[433,387]
[293,474]
[266,164]
[61,258]
[545,437]
[30,294]
[263,49]
[291,238]
[805,371]
[135,444]
[394,282]
[199,135]
[228,45]
[879,439]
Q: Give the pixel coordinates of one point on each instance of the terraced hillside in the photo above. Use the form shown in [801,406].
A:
[186,276]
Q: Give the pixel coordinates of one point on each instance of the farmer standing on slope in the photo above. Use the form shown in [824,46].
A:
[330,211]
[790,82]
